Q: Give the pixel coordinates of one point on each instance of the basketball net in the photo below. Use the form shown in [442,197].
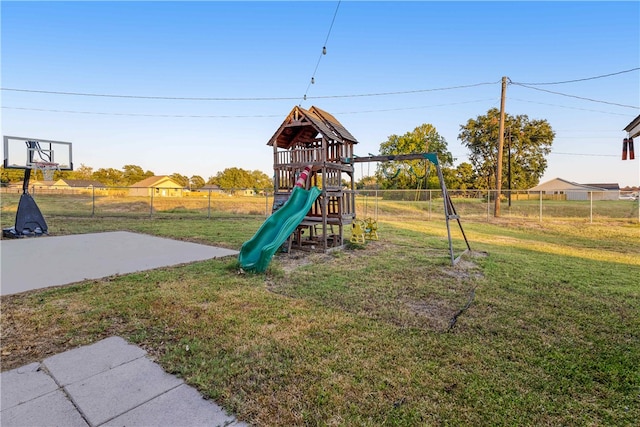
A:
[47,169]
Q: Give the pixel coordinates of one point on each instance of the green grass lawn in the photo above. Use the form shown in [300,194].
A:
[539,325]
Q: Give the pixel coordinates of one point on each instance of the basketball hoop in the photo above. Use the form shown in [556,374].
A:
[47,169]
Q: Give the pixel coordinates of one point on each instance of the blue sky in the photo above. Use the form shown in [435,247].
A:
[442,61]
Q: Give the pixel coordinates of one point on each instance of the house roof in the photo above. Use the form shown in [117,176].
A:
[83,183]
[611,186]
[209,187]
[154,181]
[304,126]
[563,184]
[633,128]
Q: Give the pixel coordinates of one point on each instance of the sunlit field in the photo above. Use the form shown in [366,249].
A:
[410,204]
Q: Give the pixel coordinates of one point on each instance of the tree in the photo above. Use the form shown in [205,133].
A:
[10,175]
[261,181]
[83,172]
[234,179]
[133,173]
[460,178]
[527,142]
[109,177]
[411,174]
[196,181]
[179,179]
[367,182]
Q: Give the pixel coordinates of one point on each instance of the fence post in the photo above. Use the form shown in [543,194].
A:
[266,203]
[151,203]
[488,204]
[591,207]
[93,200]
[541,206]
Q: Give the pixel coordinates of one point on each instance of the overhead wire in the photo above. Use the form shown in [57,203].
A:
[199,116]
[582,80]
[635,107]
[273,98]
[584,154]
[228,116]
[287,98]
[323,53]
[165,98]
[570,108]
[376,94]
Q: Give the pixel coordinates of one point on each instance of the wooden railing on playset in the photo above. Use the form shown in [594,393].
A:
[335,153]
[340,207]
[299,156]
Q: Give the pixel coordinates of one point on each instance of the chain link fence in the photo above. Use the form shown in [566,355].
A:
[476,205]
[480,205]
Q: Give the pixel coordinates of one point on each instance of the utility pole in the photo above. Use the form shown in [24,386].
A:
[509,138]
[496,212]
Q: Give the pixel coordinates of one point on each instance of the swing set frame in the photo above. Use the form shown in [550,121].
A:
[449,210]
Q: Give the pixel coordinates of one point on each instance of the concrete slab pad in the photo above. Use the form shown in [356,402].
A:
[84,362]
[23,384]
[109,394]
[68,259]
[53,409]
[135,392]
[181,406]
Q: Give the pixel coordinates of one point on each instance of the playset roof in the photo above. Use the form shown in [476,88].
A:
[303,126]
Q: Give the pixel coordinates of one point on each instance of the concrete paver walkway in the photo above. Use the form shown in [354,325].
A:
[108,383]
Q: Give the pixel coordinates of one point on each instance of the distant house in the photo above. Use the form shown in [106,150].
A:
[573,191]
[210,188]
[79,184]
[156,186]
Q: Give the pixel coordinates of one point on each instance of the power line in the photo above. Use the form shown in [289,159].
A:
[584,154]
[406,92]
[289,98]
[416,108]
[580,80]
[577,97]
[177,98]
[571,108]
[166,98]
[146,115]
[231,116]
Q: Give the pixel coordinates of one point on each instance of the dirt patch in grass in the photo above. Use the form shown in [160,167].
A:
[411,293]
[466,268]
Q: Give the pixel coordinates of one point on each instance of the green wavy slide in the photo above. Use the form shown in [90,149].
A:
[256,253]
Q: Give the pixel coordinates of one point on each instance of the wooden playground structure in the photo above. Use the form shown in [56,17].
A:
[316,139]
[314,142]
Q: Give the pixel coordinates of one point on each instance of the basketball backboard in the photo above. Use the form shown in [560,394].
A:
[22,153]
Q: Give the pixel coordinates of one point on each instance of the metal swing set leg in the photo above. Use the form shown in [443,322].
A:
[450,213]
